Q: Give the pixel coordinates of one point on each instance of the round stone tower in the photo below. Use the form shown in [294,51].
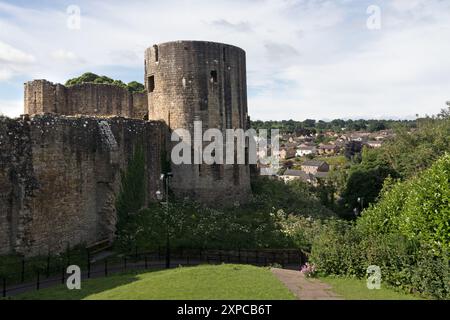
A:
[191,81]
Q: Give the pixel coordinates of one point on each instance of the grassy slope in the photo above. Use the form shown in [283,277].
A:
[355,289]
[203,282]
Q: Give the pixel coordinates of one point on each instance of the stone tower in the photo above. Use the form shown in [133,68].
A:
[191,81]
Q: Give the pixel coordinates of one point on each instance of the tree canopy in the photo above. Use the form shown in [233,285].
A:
[90,77]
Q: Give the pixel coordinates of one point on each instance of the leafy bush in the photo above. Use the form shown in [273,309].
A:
[90,77]
[343,249]
[295,197]
[419,208]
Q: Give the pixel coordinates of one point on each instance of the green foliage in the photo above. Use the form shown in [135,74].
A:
[135,86]
[277,217]
[295,197]
[413,151]
[132,193]
[418,208]
[343,249]
[90,77]
[407,234]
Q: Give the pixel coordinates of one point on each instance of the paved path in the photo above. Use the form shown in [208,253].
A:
[303,288]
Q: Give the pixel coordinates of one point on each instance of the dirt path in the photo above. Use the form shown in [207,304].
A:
[303,288]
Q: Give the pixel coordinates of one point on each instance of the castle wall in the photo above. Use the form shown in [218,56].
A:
[59,177]
[190,81]
[42,96]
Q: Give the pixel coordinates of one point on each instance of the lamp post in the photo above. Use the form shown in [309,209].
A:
[165,178]
[361,202]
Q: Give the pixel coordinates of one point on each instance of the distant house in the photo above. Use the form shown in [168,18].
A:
[375,144]
[313,166]
[291,175]
[360,136]
[328,149]
[321,175]
[285,153]
[305,150]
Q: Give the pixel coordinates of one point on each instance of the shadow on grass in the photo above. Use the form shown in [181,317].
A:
[88,288]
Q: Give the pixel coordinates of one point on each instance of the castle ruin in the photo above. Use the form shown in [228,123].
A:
[60,162]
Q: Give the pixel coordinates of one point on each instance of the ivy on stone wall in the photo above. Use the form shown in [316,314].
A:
[132,191]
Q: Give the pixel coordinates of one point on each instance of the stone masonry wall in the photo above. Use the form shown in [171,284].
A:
[42,96]
[59,177]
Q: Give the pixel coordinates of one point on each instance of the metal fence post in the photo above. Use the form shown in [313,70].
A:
[125,263]
[4,288]
[63,275]
[88,265]
[37,281]
[22,276]
[48,266]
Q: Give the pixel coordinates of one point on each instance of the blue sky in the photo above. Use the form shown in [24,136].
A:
[305,58]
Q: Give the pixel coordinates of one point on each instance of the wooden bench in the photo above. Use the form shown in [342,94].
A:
[98,246]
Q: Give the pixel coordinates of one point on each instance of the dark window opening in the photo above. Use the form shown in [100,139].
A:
[246,156]
[151,83]
[214,76]
[204,104]
[155,47]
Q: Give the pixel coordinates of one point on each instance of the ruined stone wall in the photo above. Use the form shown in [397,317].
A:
[59,177]
[191,81]
[42,96]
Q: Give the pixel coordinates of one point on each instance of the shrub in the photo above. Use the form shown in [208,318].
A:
[419,208]
[345,250]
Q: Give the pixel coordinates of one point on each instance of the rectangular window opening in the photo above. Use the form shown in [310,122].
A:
[155,47]
[151,83]
[214,76]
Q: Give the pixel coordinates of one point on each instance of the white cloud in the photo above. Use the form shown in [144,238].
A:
[66,56]
[9,54]
[13,61]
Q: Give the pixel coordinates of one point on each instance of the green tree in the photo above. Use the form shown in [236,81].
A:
[90,77]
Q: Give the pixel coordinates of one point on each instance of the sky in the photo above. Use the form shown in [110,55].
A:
[318,59]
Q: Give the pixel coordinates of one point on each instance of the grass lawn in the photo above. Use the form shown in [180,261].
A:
[356,289]
[222,282]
